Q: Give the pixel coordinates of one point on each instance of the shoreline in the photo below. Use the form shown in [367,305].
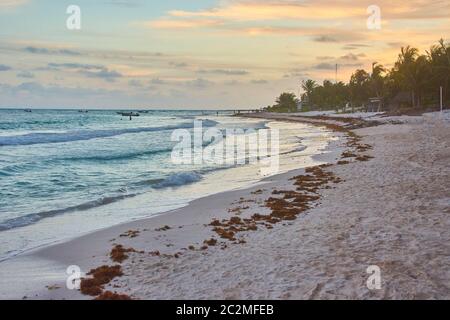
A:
[158,276]
[57,256]
[178,188]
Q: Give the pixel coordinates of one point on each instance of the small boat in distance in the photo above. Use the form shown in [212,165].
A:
[83,111]
[28,110]
[129,114]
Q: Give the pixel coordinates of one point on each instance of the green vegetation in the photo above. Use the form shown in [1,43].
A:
[286,102]
[413,82]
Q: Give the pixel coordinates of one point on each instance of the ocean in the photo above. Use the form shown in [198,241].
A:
[64,173]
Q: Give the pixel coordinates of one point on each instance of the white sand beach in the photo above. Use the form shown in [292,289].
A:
[391,211]
[235,150]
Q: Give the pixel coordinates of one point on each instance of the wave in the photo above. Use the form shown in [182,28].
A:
[175,180]
[295,150]
[179,179]
[43,138]
[261,125]
[128,156]
[124,156]
[35,217]
[4,173]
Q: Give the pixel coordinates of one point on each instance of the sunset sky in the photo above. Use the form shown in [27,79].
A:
[197,53]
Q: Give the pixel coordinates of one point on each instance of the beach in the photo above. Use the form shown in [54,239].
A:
[229,150]
[380,199]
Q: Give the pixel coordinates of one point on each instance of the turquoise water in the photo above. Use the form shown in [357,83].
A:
[64,173]
[54,161]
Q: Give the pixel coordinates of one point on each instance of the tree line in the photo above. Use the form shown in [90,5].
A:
[413,82]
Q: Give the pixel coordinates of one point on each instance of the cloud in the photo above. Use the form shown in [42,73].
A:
[124,3]
[12,3]
[245,10]
[199,83]
[354,46]
[332,66]
[338,36]
[180,24]
[324,38]
[352,57]
[135,83]
[74,66]
[157,81]
[350,65]
[68,52]
[105,74]
[36,50]
[325,66]
[4,67]
[178,64]
[320,34]
[232,15]
[36,94]
[324,58]
[324,21]
[89,70]
[29,86]
[225,72]
[301,72]
[260,81]
[232,83]
[240,10]
[316,33]
[25,74]
[396,44]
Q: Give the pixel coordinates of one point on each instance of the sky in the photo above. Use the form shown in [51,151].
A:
[198,54]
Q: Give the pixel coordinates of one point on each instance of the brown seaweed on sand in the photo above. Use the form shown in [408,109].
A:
[348,154]
[130,234]
[108,295]
[285,205]
[363,158]
[119,253]
[100,276]
[165,228]
[211,242]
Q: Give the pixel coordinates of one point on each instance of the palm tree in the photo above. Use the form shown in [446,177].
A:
[309,86]
[408,82]
[358,87]
[422,75]
[406,68]
[439,57]
[286,102]
[377,79]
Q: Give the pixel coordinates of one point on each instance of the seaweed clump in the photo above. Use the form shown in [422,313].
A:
[108,295]
[100,277]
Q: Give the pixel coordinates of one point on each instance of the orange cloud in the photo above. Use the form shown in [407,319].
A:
[241,10]
[248,11]
[11,3]
[324,21]
[181,24]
